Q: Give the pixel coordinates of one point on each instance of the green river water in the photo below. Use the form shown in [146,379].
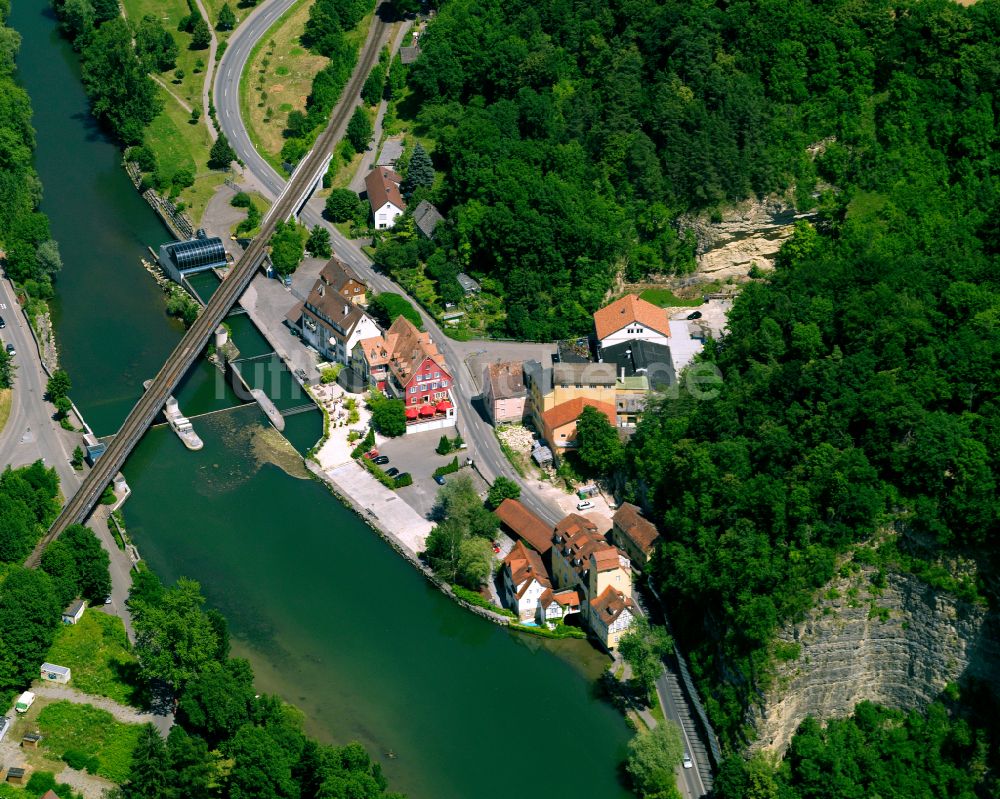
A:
[332,619]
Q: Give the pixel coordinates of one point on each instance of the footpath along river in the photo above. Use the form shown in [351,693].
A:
[332,619]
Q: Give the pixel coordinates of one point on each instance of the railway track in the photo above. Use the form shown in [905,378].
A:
[79,506]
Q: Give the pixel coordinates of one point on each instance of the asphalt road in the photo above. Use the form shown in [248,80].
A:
[31,433]
[482,443]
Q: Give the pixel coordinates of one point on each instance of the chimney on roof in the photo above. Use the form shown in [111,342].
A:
[345,310]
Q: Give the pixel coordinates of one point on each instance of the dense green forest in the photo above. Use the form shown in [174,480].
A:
[877,752]
[572,134]
[31,601]
[860,379]
[31,255]
[229,741]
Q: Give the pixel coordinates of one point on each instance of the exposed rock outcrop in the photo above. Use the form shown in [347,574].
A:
[749,232]
[899,646]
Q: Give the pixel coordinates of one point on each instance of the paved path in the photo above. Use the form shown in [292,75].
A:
[206,90]
[32,433]
[170,91]
[397,518]
[357,183]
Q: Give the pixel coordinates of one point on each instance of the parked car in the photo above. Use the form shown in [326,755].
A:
[107,599]
[381,460]
[11,351]
[439,479]
[695,315]
[392,472]
[687,761]
[3,324]
[372,453]
[584,505]
[4,726]
[24,701]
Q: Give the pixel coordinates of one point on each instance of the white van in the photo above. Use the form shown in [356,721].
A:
[24,701]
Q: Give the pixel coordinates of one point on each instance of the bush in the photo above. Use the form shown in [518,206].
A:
[241,200]
[387,307]
[404,479]
[448,468]
[330,374]
[81,761]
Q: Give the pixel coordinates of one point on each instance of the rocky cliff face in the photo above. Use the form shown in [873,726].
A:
[747,233]
[899,646]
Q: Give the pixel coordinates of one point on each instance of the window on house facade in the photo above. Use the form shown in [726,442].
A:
[437,374]
[413,389]
[444,384]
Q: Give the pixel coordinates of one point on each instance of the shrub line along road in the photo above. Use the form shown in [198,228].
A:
[482,443]
[195,339]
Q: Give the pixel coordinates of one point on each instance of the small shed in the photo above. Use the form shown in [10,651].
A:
[74,612]
[31,740]
[50,672]
[407,55]
[469,286]
[426,217]
[15,775]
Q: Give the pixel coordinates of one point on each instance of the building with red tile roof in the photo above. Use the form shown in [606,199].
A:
[517,520]
[525,580]
[634,533]
[559,423]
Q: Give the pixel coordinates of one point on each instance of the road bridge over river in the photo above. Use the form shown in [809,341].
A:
[294,194]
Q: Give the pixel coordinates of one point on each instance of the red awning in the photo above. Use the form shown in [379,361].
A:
[426,410]
[411,413]
[443,406]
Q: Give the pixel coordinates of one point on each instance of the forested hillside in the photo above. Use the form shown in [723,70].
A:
[860,380]
[572,134]
[31,255]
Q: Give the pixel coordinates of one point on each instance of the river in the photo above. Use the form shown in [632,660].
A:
[332,619]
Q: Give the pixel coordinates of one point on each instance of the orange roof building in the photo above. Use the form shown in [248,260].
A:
[559,423]
[521,522]
[631,318]
[633,533]
[524,580]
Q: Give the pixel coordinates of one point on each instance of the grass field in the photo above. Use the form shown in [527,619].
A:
[288,76]
[170,12]
[667,299]
[96,651]
[178,144]
[6,400]
[88,729]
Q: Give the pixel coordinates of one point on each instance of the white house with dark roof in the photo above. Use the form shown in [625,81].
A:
[384,196]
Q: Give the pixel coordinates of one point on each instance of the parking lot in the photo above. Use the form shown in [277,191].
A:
[415,454]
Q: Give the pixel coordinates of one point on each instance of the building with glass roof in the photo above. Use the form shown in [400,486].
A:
[181,258]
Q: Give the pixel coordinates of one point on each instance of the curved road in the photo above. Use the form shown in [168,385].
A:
[483,445]
[190,347]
